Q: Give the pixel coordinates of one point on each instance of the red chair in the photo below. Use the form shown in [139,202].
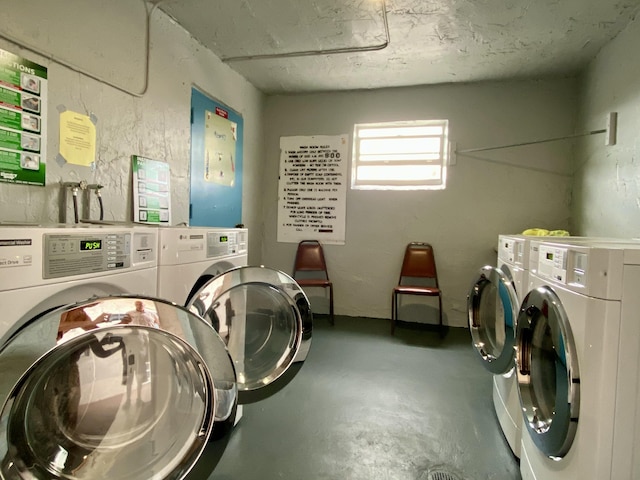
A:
[417,277]
[310,270]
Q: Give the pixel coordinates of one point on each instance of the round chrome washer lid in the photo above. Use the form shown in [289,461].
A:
[139,401]
[265,319]
[492,306]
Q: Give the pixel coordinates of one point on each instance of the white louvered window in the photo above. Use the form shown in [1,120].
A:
[400,155]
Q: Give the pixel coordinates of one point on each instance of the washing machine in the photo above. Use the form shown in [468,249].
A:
[578,362]
[42,267]
[133,387]
[493,303]
[492,307]
[191,256]
[492,312]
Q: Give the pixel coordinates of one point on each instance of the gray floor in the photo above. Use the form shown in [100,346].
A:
[368,405]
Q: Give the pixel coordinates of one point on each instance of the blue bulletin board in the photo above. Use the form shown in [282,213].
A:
[216,163]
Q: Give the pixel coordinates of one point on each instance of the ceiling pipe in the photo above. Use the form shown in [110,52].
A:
[331,51]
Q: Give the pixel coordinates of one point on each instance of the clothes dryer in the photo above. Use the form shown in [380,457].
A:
[191,256]
[578,360]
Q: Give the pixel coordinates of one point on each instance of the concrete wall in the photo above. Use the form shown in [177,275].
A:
[107,39]
[606,190]
[503,191]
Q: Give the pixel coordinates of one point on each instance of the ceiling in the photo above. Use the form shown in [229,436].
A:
[284,46]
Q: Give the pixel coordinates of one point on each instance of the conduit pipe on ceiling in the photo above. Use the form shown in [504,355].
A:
[82,71]
[330,51]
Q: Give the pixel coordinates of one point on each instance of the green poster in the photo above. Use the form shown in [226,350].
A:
[151,191]
[23,113]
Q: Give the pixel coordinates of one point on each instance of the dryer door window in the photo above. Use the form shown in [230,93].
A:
[492,307]
[547,372]
[87,397]
[265,319]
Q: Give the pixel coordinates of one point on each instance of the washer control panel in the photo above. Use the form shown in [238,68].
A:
[220,244]
[77,254]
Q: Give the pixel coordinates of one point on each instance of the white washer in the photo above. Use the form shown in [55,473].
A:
[492,307]
[115,380]
[578,362]
[190,256]
[513,261]
[494,300]
[44,267]
[95,390]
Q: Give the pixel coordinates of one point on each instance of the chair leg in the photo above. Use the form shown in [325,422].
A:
[394,312]
[441,326]
[331,317]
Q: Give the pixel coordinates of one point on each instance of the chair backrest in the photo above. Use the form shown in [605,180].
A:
[419,263]
[309,259]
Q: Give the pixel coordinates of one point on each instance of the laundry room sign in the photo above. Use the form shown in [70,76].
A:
[23,120]
[312,188]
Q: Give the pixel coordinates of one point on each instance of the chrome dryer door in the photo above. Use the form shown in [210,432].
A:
[547,371]
[265,319]
[492,306]
[118,387]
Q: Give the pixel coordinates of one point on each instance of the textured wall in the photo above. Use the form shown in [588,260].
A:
[157,125]
[488,193]
[606,192]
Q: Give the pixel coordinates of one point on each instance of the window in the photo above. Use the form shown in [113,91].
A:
[400,155]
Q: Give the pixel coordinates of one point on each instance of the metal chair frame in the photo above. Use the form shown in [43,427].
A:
[418,265]
[309,261]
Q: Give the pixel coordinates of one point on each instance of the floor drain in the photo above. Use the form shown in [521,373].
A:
[441,474]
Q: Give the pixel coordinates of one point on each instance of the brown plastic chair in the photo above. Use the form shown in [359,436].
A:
[310,269]
[417,277]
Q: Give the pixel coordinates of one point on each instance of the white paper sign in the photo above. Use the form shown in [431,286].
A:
[312,188]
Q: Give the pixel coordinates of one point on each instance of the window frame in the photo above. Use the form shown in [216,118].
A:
[440,162]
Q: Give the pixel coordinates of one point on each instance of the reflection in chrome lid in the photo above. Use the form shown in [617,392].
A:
[265,319]
[118,387]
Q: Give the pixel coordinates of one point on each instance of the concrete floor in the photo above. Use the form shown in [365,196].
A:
[368,405]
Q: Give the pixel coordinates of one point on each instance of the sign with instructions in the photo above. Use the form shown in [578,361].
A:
[151,191]
[23,120]
[312,188]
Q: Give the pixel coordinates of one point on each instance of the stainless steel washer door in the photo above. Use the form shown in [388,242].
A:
[116,387]
[547,371]
[492,306]
[265,319]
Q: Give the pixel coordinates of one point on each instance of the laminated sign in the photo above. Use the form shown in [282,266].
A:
[23,120]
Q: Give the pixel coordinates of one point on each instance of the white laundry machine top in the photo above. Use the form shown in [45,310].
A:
[42,267]
[522,250]
[180,245]
[594,269]
[190,256]
[511,249]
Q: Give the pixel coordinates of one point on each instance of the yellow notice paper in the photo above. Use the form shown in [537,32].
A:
[77,138]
